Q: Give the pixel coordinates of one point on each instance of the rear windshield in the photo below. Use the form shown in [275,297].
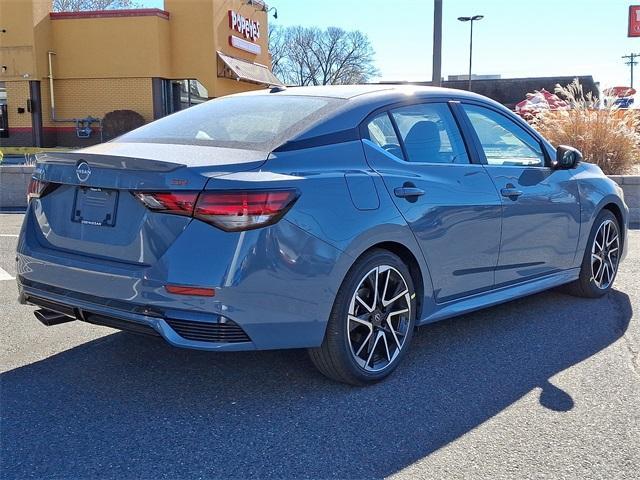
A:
[252,122]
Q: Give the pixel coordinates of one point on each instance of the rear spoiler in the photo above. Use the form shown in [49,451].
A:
[108,161]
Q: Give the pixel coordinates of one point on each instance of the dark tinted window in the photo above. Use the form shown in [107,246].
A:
[260,122]
[430,134]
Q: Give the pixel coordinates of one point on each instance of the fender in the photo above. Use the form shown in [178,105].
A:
[596,191]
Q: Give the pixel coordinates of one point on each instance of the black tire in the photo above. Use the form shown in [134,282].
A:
[586,285]
[336,357]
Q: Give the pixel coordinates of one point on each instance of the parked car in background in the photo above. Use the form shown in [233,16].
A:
[335,219]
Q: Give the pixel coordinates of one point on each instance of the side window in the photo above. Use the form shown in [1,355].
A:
[503,141]
[382,133]
[430,134]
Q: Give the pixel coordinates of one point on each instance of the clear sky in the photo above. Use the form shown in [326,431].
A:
[517,38]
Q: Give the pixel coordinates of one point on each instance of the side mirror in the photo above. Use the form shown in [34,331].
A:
[567,158]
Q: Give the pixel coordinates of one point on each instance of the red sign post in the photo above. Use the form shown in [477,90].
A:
[634,21]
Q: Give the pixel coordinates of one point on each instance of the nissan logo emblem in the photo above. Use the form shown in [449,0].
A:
[83,171]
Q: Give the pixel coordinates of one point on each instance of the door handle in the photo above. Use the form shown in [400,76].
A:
[511,192]
[408,192]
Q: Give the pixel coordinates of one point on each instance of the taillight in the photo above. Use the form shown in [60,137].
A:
[244,210]
[36,188]
[231,211]
[180,203]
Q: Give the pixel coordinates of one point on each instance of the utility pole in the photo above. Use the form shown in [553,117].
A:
[631,62]
[436,78]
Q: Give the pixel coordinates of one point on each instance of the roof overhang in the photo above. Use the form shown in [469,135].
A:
[133,12]
[237,69]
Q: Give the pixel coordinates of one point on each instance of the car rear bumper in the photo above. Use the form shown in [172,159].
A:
[274,287]
[212,332]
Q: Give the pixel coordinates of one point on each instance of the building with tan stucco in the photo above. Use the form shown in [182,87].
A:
[62,73]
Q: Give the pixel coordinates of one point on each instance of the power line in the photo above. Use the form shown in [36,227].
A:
[631,62]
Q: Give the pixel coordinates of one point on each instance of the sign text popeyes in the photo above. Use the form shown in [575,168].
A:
[250,29]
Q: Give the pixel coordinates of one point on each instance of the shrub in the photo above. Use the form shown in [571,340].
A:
[606,135]
[119,122]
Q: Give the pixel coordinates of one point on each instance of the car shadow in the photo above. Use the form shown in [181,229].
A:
[126,406]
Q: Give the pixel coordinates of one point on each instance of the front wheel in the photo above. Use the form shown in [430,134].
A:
[601,258]
[371,323]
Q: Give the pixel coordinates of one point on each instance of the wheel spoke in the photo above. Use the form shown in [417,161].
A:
[375,288]
[597,245]
[364,304]
[364,343]
[386,347]
[386,286]
[398,312]
[605,269]
[373,349]
[597,273]
[353,318]
[400,295]
[393,332]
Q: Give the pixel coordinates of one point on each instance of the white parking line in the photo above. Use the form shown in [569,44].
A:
[8,235]
[4,275]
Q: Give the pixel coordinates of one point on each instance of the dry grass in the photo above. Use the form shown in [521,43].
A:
[606,136]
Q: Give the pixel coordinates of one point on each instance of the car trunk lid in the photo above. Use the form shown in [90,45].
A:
[92,210]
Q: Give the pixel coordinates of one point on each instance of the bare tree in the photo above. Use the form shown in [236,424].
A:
[277,49]
[78,5]
[311,56]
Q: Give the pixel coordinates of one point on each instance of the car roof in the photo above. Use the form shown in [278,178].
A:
[359,101]
[369,91]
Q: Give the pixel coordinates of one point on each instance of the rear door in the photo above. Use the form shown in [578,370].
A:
[448,200]
[541,207]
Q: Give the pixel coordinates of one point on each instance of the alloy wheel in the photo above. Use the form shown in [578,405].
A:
[379,318]
[605,253]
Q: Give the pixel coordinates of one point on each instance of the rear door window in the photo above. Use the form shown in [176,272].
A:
[430,134]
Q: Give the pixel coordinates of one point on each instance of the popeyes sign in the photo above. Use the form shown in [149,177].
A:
[250,31]
[634,21]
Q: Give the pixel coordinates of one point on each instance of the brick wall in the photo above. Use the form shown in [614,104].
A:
[17,95]
[83,97]
[75,98]
[19,123]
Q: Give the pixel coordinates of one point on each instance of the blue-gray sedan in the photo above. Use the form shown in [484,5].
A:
[330,218]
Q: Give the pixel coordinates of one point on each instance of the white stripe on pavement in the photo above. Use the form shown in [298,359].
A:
[8,235]
[4,275]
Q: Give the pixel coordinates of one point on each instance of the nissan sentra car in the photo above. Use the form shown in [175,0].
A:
[335,219]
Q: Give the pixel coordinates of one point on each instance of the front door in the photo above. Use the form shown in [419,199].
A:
[541,207]
[450,203]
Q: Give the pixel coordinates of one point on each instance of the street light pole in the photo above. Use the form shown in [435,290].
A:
[475,18]
[436,76]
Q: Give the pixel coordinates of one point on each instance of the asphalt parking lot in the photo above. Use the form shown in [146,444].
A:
[543,387]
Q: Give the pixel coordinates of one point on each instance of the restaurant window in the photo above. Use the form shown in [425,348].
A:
[192,92]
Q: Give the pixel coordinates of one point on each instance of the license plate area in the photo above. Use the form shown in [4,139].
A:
[95,206]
